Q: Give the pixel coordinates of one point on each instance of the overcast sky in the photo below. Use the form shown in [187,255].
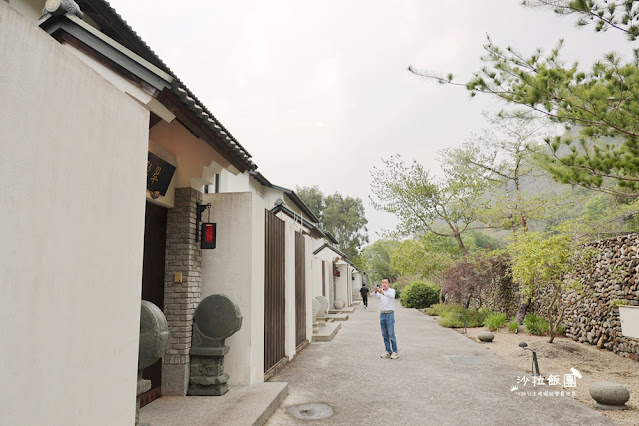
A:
[318,91]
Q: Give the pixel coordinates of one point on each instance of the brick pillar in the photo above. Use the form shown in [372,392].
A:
[183,254]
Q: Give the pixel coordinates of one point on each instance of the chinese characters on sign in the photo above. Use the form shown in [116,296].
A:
[158,174]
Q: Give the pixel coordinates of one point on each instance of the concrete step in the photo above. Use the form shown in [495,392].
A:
[241,405]
[327,333]
[336,317]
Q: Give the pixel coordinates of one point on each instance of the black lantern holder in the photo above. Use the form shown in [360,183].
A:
[206,233]
[535,364]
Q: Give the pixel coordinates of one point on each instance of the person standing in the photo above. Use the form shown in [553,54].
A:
[364,292]
[386,296]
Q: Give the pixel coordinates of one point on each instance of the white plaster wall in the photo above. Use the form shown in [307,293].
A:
[341,283]
[71,236]
[289,288]
[31,9]
[235,268]
[308,280]
[316,276]
[230,182]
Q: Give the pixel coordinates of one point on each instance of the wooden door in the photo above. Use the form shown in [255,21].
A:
[153,283]
[274,297]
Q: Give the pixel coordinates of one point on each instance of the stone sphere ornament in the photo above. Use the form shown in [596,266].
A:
[216,318]
[154,335]
[339,304]
[317,307]
[486,336]
[324,302]
[610,396]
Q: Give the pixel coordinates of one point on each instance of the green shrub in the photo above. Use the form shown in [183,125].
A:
[451,318]
[513,326]
[494,321]
[440,308]
[451,321]
[486,312]
[561,328]
[536,325]
[419,295]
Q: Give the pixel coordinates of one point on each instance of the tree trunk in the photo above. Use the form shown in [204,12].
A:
[466,302]
[523,308]
[461,245]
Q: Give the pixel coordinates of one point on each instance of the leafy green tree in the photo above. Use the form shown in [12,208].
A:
[503,156]
[600,106]
[377,259]
[414,257]
[314,199]
[342,216]
[540,261]
[422,203]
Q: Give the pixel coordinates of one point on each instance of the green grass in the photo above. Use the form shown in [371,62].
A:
[536,325]
[513,326]
[494,321]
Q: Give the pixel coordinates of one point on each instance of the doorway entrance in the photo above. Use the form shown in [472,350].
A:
[153,283]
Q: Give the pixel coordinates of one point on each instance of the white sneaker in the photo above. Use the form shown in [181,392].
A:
[395,355]
[386,355]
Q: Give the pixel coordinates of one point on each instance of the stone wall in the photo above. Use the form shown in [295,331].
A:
[594,320]
[183,255]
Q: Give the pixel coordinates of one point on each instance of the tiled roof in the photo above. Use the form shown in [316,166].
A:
[112,24]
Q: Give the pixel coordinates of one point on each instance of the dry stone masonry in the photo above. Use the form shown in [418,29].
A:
[615,278]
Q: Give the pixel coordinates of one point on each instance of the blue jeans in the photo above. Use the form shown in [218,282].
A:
[387,321]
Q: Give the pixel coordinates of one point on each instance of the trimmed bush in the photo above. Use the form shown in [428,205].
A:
[440,308]
[495,321]
[536,325]
[513,326]
[451,318]
[419,295]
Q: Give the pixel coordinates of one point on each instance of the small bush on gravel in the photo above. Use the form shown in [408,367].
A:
[420,295]
[536,325]
[451,319]
[513,326]
[495,321]
[440,308]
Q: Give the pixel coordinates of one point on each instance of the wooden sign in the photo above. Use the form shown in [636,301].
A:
[158,174]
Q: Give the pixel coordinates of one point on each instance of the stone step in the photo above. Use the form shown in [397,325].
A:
[241,405]
[337,317]
[327,333]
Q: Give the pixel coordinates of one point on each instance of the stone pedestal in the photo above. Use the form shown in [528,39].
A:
[216,318]
[154,339]
[323,309]
[610,396]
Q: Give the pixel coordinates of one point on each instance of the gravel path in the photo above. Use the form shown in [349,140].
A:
[594,364]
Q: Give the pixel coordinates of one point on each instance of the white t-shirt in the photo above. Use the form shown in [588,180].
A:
[387,300]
